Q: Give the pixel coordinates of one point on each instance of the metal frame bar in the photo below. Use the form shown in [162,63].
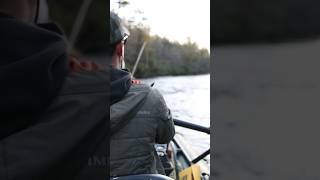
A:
[195,127]
[200,157]
[188,125]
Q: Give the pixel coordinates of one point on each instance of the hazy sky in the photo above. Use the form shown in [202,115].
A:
[174,19]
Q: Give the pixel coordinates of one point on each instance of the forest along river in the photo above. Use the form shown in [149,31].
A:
[188,98]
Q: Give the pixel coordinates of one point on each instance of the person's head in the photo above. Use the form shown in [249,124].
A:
[118,36]
[25,10]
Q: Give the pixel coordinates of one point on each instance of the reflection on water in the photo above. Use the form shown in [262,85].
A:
[188,97]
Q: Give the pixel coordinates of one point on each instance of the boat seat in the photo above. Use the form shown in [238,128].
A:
[143,177]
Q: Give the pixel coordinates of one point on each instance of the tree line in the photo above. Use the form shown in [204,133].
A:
[164,57]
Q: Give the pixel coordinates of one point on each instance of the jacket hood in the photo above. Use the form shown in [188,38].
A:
[124,110]
[33,66]
[120,84]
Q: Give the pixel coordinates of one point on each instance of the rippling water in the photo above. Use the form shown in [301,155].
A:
[188,97]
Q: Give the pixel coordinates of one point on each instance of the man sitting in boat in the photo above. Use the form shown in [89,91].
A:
[139,117]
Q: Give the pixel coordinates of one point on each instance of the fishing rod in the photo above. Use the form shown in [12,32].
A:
[138,58]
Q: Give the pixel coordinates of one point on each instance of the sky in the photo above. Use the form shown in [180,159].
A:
[174,19]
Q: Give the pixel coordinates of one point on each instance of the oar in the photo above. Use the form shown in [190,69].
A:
[192,126]
[201,156]
[196,127]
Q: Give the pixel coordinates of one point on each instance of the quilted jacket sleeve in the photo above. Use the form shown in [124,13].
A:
[165,128]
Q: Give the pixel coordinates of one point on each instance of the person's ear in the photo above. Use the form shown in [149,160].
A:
[119,50]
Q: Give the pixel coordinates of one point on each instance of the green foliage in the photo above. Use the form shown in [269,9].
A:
[163,57]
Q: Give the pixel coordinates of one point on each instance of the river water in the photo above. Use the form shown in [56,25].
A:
[188,98]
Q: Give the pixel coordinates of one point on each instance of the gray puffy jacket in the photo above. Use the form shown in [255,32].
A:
[137,122]
[69,141]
